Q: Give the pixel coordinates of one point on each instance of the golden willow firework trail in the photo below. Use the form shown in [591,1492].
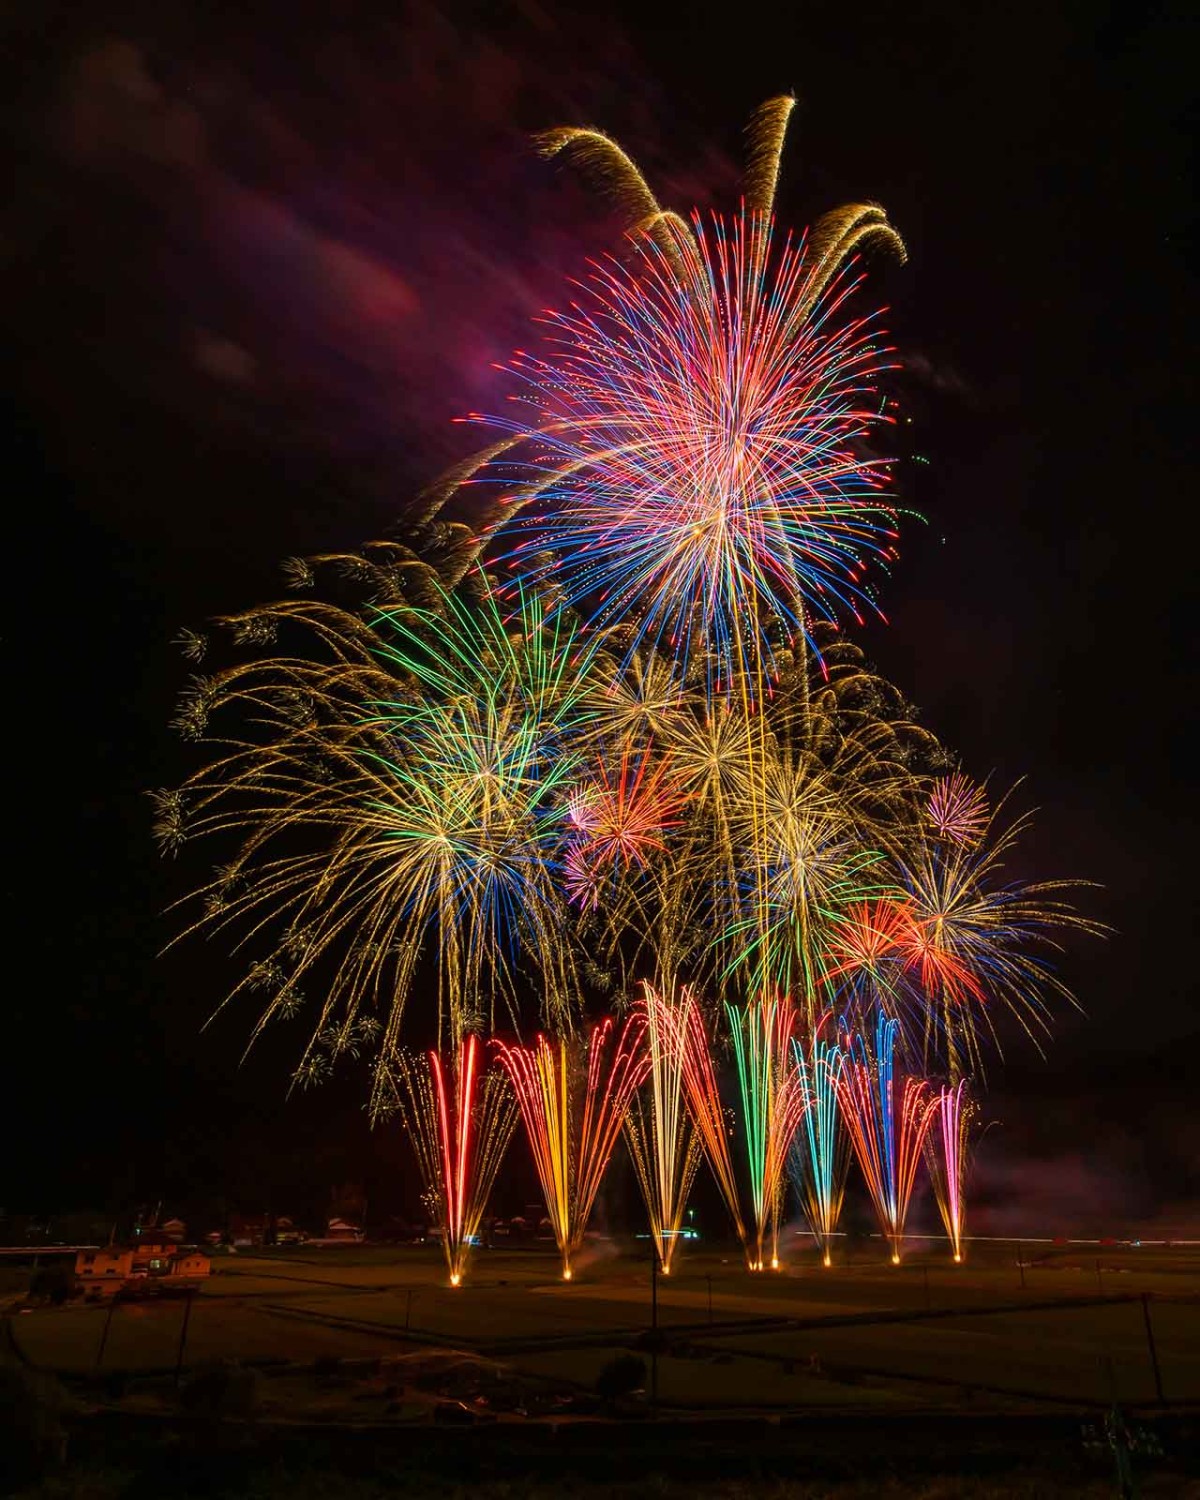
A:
[573,1118]
[665,1148]
[460,1119]
[400,797]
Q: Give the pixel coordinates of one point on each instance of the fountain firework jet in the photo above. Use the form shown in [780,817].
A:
[888,1119]
[573,1117]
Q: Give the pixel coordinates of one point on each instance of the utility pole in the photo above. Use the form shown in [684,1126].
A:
[1158,1385]
[108,1317]
[183,1333]
[653,1326]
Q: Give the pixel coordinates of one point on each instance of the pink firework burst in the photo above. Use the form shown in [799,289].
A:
[618,821]
[958,810]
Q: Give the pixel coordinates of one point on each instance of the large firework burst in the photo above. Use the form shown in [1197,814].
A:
[412,809]
[694,463]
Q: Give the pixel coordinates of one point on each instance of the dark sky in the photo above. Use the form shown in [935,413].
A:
[255,263]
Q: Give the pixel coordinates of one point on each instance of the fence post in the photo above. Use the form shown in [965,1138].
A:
[1158,1385]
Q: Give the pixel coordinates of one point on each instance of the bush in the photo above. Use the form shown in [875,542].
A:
[53,1284]
[32,1436]
[225,1390]
[621,1377]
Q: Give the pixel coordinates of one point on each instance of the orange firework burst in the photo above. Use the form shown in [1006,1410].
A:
[618,821]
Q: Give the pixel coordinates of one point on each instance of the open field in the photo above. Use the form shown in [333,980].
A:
[859,1335]
[358,1372]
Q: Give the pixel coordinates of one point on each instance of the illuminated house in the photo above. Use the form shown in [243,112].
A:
[154,1262]
[100,1273]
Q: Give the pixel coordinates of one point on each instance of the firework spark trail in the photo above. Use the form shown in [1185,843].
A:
[460,1122]
[694,452]
[948,1150]
[707,1113]
[572,1130]
[799,863]
[614,717]
[888,1134]
[975,942]
[820,1155]
[957,810]
[765,136]
[773,1100]
[426,788]
[618,821]
[665,1147]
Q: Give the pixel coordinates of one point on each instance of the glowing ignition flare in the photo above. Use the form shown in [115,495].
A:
[957,1259]
[827,1260]
[455,1279]
[566,1273]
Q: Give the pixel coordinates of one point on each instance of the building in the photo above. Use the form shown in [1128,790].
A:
[101,1273]
[343,1231]
[153,1264]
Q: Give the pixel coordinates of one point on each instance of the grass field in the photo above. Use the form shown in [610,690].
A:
[859,1335]
[923,1382]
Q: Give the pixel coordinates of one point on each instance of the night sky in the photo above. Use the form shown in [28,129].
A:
[253,268]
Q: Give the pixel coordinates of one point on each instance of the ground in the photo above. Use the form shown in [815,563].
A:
[373,1340]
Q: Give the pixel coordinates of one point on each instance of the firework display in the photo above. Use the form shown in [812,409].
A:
[665,1146]
[460,1119]
[888,1116]
[772,1095]
[820,1155]
[948,1148]
[589,742]
[573,1118]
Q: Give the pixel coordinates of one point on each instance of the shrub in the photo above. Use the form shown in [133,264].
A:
[53,1284]
[621,1376]
[224,1390]
[32,1436]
